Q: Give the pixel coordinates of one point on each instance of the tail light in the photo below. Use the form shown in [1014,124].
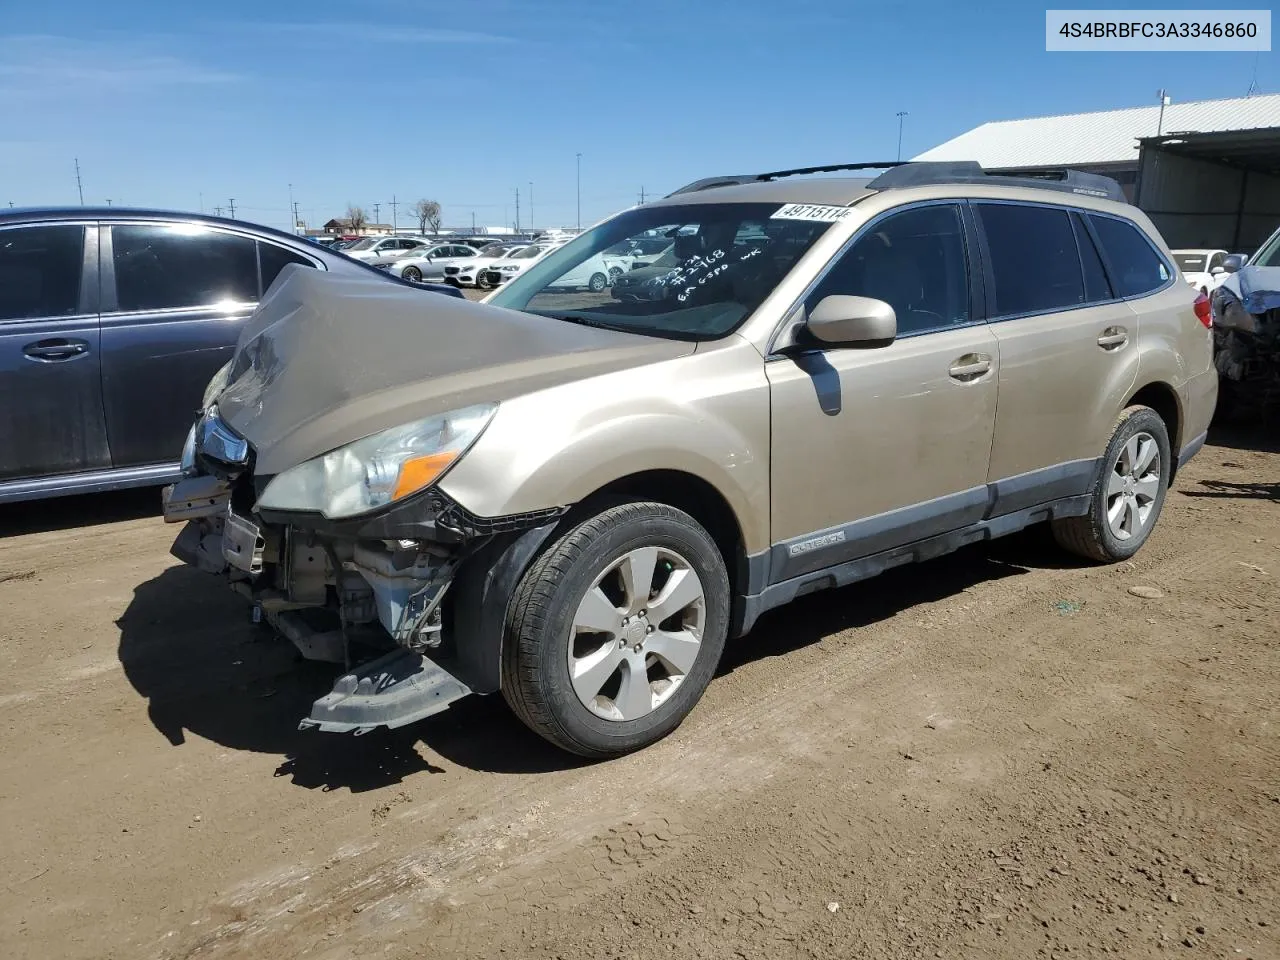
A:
[1204,311]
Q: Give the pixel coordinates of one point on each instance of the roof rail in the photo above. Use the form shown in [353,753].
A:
[969,171]
[708,183]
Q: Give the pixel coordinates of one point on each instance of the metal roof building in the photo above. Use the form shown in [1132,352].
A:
[1207,171]
[1106,137]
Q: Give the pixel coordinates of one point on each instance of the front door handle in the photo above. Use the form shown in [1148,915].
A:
[55,349]
[1113,338]
[970,367]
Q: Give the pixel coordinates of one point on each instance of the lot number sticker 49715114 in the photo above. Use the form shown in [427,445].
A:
[818,212]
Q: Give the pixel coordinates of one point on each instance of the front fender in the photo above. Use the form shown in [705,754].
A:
[704,414]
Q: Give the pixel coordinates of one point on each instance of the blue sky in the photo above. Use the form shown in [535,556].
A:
[357,101]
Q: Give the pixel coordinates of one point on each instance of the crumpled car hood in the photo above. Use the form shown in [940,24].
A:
[328,359]
[1257,288]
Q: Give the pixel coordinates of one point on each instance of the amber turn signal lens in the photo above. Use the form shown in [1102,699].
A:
[420,471]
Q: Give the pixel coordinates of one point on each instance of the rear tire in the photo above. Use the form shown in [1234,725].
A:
[597,282]
[582,665]
[1127,494]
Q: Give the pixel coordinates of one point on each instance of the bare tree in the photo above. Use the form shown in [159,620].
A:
[357,218]
[428,213]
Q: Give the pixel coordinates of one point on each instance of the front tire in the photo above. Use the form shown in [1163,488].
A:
[1128,493]
[616,630]
[413,274]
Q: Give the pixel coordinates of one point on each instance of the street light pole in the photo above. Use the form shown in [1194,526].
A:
[901,114]
[579,191]
[533,224]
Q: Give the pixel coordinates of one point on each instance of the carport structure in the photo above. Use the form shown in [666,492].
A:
[1214,190]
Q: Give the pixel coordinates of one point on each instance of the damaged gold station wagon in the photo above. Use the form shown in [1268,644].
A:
[576,497]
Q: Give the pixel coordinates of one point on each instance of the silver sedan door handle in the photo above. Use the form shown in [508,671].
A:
[1113,337]
[970,367]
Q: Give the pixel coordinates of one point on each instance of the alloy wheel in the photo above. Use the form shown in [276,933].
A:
[636,633]
[1133,486]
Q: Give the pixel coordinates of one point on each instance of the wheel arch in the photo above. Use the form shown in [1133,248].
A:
[1164,400]
[478,603]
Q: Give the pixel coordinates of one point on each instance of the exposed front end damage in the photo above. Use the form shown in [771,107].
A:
[366,592]
[1246,331]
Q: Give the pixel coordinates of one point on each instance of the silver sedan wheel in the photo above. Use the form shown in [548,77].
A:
[636,633]
[1133,487]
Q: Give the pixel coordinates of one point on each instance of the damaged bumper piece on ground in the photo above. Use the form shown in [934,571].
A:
[366,593]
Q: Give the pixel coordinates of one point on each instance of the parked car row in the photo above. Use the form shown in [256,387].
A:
[112,323]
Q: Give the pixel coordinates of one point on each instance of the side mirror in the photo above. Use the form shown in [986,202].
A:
[850,321]
[1232,262]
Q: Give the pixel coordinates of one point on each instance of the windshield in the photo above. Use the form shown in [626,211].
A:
[364,244]
[527,252]
[724,259]
[1190,262]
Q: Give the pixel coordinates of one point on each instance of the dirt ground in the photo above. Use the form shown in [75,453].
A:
[997,754]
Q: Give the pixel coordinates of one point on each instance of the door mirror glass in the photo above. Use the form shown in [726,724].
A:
[1218,271]
[1232,262]
[839,320]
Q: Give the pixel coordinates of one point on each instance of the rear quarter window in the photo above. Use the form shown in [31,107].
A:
[1135,266]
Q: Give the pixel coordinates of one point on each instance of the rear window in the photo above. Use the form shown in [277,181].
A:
[1135,266]
[160,267]
[1034,261]
[1190,262]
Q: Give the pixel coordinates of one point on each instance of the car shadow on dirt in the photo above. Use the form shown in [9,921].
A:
[809,619]
[187,645]
[66,513]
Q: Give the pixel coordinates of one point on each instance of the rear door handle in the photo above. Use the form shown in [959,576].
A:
[970,367]
[55,349]
[1113,337]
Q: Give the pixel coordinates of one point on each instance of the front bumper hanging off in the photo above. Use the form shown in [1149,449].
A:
[393,690]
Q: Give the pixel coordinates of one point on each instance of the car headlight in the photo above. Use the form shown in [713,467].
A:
[380,469]
[511,269]
[216,385]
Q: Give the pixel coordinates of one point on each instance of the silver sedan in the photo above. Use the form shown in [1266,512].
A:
[427,264]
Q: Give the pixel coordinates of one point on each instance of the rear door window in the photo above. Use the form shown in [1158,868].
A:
[40,271]
[1135,266]
[168,266]
[1035,265]
[274,259]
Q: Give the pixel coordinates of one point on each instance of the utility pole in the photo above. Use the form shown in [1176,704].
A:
[202,201]
[376,208]
[901,116]
[533,224]
[79,186]
[108,201]
[294,207]
[517,209]
[579,183]
[1164,102]
[232,204]
[473,221]
[642,196]
[394,224]
[217,211]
